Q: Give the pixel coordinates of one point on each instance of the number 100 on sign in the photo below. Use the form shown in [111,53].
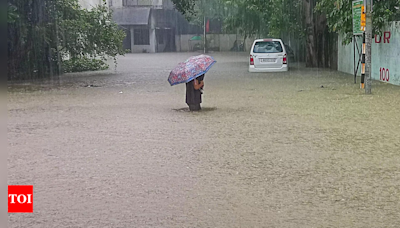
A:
[384,74]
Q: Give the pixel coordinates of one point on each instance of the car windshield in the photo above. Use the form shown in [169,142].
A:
[267,47]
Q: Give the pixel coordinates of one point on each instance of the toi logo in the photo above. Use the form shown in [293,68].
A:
[20,199]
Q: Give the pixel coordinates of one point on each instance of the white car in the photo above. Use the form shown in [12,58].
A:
[268,55]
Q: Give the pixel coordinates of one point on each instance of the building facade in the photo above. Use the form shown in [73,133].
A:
[150,25]
[89,4]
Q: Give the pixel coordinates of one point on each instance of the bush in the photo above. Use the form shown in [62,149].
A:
[83,64]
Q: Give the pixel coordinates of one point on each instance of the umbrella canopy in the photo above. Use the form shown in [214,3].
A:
[190,69]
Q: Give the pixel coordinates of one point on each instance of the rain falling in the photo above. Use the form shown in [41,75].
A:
[203,113]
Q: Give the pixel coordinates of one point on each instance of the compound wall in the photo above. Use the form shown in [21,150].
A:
[385,55]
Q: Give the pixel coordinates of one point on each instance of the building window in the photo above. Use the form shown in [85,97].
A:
[141,37]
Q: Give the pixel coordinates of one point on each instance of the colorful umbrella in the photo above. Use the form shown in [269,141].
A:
[190,69]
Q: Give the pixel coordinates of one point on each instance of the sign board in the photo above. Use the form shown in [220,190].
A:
[363,19]
[358,7]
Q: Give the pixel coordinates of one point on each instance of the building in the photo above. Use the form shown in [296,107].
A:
[89,4]
[150,25]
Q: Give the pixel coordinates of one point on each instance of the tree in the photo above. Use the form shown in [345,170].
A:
[89,32]
[29,39]
[339,15]
[274,18]
[315,21]
[41,32]
[241,16]
[246,17]
[12,15]
[186,7]
[317,36]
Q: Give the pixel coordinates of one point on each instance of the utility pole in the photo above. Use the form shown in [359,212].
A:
[204,40]
[368,41]
[203,7]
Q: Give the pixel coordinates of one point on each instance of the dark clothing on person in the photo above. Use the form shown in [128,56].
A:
[194,107]
[193,96]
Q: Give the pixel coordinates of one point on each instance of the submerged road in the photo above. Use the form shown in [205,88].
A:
[304,148]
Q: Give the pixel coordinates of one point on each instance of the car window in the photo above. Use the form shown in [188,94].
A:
[267,47]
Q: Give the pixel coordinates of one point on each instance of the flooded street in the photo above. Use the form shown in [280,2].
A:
[304,148]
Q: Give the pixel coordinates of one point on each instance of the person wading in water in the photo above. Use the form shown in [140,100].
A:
[194,92]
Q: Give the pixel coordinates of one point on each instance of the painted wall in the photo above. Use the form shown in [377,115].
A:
[223,41]
[385,55]
[115,3]
[183,44]
[88,4]
[165,4]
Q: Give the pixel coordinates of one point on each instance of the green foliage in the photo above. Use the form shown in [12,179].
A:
[89,32]
[245,17]
[211,9]
[186,7]
[12,15]
[40,32]
[249,17]
[84,64]
[30,35]
[383,12]
[339,15]
[285,17]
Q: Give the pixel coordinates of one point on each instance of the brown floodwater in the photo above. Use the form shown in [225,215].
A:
[304,148]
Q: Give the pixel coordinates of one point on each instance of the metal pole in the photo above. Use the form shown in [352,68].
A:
[204,40]
[354,51]
[363,63]
[362,84]
[368,39]
[204,25]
